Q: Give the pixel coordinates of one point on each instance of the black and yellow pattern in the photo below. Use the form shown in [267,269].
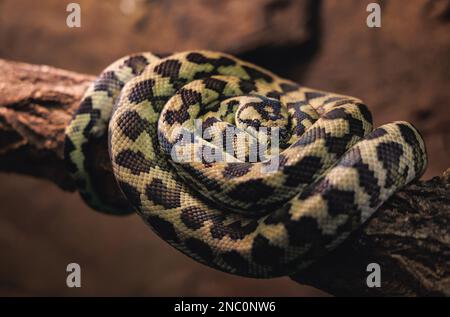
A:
[334,170]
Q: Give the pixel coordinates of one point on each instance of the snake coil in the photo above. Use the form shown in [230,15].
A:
[332,169]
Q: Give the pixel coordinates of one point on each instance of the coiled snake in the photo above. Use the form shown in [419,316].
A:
[235,214]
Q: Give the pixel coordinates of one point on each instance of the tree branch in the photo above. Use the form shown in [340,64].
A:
[408,237]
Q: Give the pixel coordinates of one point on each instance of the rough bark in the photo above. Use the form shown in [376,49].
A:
[408,237]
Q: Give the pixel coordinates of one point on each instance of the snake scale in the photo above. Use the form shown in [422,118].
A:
[334,170]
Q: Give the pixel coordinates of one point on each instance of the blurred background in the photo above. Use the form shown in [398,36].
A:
[400,70]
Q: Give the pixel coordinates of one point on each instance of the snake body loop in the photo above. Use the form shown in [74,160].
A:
[332,171]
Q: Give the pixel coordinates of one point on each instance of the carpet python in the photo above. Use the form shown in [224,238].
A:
[333,172]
